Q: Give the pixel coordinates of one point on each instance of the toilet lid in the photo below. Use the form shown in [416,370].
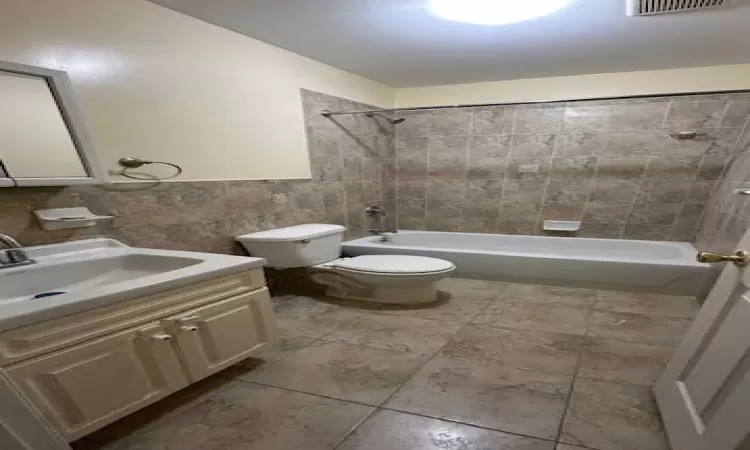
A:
[395,264]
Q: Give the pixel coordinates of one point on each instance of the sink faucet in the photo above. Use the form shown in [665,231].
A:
[15,255]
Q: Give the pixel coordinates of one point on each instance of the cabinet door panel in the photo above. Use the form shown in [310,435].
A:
[221,334]
[85,387]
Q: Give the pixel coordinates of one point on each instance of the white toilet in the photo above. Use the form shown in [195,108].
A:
[377,278]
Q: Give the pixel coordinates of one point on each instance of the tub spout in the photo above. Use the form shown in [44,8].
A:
[385,235]
[379,232]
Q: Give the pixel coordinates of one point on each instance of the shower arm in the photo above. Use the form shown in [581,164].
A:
[327,113]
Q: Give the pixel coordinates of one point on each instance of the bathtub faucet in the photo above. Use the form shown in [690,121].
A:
[385,235]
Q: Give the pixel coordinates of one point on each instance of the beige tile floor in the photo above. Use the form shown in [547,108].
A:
[495,367]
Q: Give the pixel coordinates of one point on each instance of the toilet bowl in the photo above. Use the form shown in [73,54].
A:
[383,278]
[377,278]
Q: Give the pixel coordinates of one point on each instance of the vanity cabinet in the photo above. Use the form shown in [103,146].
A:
[81,388]
[218,335]
[115,368]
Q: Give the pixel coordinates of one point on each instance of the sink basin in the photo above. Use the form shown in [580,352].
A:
[80,275]
[84,274]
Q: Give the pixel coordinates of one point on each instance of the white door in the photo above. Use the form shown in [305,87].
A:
[704,393]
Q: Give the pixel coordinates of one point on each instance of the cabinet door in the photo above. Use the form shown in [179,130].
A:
[221,334]
[85,387]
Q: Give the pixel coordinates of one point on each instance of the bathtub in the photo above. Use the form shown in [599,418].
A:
[616,264]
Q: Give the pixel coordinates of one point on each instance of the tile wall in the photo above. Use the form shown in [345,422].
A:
[347,167]
[610,164]
[727,215]
[495,169]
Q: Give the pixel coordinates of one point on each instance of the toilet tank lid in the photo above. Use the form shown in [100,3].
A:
[294,233]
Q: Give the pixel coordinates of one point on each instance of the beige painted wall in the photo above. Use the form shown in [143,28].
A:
[160,85]
[696,79]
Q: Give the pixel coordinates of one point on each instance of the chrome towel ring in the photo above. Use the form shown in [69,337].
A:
[128,163]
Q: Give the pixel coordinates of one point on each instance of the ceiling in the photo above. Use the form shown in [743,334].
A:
[400,44]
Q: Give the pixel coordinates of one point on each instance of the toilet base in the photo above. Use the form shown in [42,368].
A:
[343,287]
[395,295]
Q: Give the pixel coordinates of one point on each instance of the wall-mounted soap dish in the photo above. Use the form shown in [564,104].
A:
[561,225]
[64,218]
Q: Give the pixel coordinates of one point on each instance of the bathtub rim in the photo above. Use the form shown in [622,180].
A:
[686,249]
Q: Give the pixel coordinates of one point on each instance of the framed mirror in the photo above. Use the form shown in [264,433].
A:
[43,137]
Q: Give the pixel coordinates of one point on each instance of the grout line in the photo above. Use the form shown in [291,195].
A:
[354,428]
[257,383]
[569,397]
[467,424]
[723,113]
[416,372]
[667,112]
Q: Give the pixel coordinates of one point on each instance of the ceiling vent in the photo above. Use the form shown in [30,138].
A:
[649,7]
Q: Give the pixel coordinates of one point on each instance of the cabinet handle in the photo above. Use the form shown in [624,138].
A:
[161,337]
[189,328]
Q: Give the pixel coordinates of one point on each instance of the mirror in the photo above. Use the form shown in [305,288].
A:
[43,140]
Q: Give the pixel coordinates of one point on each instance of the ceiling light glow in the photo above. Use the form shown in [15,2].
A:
[494,12]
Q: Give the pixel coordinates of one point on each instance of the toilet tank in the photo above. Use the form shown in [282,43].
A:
[298,246]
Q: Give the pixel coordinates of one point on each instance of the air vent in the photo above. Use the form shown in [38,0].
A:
[648,7]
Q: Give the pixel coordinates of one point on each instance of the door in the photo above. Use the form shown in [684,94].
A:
[83,388]
[224,333]
[704,393]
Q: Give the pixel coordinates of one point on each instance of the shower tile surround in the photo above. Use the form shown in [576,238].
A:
[727,215]
[608,163]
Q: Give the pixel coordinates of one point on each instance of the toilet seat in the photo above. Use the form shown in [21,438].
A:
[393,264]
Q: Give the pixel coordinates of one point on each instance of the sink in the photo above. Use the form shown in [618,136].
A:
[75,276]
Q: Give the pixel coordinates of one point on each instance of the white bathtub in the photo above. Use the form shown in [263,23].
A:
[646,266]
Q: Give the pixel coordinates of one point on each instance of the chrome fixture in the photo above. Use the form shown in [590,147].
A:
[15,255]
[375,211]
[687,135]
[128,163]
[385,235]
[380,232]
[390,120]
[370,114]
[739,258]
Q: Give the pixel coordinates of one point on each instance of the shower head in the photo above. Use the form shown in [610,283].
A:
[389,119]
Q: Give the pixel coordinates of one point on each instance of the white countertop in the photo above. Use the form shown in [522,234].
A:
[56,259]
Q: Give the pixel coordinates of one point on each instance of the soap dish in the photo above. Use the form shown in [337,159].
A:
[561,225]
[64,218]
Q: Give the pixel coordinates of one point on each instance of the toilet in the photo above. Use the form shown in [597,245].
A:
[376,278]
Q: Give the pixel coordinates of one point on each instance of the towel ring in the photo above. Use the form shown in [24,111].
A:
[128,163]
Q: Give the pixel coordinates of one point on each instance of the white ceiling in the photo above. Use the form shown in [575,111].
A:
[399,43]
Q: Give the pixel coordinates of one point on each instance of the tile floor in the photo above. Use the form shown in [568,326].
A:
[496,367]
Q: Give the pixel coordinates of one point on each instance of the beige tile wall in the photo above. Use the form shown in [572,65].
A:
[727,215]
[610,164]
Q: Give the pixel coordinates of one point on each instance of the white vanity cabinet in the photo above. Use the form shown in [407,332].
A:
[87,386]
[87,370]
[220,334]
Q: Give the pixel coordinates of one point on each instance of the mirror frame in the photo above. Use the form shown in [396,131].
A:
[62,90]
